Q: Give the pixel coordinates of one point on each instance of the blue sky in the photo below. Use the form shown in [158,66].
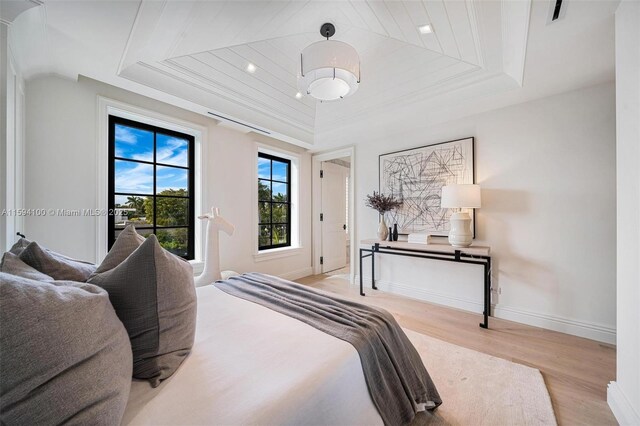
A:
[279,169]
[279,173]
[137,144]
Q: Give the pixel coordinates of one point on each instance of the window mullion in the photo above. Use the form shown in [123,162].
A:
[271,202]
[155,199]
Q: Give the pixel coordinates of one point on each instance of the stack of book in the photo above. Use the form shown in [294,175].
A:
[419,238]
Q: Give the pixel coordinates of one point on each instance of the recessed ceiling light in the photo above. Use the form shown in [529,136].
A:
[251,68]
[298,95]
[425,29]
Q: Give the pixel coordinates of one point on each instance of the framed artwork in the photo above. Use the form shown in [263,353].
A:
[416,176]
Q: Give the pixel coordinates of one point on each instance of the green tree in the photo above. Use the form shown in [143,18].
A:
[174,240]
[136,203]
[169,211]
[279,213]
[264,192]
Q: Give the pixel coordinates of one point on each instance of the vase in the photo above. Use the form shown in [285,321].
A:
[395,232]
[390,235]
[383,232]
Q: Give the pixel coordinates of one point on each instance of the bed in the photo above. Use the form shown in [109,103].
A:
[253,365]
[251,349]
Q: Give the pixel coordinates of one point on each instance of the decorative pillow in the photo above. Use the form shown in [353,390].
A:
[66,358]
[56,265]
[126,243]
[11,264]
[154,296]
[20,245]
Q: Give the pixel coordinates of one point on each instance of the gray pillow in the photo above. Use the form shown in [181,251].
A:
[11,264]
[66,358]
[154,296]
[56,265]
[20,245]
[126,243]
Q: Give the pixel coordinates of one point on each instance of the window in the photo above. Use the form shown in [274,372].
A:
[151,184]
[274,201]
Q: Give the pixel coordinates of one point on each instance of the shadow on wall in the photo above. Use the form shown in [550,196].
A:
[504,212]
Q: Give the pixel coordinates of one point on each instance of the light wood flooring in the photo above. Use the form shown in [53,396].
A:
[576,370]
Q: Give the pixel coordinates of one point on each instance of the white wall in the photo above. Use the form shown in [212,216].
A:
[547,170]
[3,134]
[624,393]
[61,138]
[12,98]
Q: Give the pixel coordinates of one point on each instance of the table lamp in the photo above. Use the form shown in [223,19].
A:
[461,196]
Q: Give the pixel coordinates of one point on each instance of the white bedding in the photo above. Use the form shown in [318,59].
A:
[251,365]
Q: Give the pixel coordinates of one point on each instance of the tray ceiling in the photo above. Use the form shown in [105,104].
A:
[191,54]
[199,51]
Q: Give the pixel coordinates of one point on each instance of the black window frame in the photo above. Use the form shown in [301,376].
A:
[113,121]
[273,158]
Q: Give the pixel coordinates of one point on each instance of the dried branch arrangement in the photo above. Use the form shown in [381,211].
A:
[382,203]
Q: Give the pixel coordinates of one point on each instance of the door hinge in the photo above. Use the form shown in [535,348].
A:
[321,217]
[321,260]
[321,174]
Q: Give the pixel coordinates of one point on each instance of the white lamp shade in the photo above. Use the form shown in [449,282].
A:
[330,70]
[462,196]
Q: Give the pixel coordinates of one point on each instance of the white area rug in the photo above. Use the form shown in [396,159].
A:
[479,389]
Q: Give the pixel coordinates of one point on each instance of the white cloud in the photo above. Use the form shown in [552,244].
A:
[175,152]
[124,134]
[137,179]
[145,156]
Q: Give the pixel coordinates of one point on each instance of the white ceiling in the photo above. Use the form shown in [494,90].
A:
[194,54]
[10,9]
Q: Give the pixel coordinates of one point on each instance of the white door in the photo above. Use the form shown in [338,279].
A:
[334,221]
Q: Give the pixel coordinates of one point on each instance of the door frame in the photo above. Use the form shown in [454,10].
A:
[316,160]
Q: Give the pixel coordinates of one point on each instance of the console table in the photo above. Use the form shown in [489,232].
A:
[476,255]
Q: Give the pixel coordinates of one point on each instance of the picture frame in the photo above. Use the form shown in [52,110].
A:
[416,177]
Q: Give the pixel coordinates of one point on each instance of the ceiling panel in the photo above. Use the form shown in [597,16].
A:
[406,60]
[209,70]
[386,19]
[387,88]
[401,17]
[461,26]
[352,15]
[442,26]
[367,14]
[418,15]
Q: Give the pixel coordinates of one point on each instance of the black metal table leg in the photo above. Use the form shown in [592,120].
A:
[373,269]
[487,294]
[361,289]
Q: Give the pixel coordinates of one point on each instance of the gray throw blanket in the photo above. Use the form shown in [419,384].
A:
[396,377]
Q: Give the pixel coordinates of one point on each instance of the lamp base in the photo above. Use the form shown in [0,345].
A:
[460,232]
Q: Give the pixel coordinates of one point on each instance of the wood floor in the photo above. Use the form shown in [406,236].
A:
[576,370]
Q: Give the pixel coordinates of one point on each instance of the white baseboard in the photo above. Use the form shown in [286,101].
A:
[620,406]
[551,322]
[300,273]
[422,294]
[584,329]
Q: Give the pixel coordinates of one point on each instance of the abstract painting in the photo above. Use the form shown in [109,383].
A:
[416,176]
